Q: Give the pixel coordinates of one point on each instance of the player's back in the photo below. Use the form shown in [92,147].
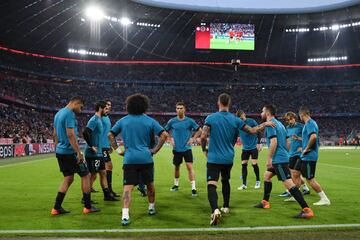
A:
[224,128]
[64,118]
[281,154]
[138,133]
[248,140]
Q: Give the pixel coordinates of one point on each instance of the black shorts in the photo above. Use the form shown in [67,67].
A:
[295,163]
[95,164]
[254,153]
[308,169]
[213,171]
[68,165]
[106,155]
[281,170]
[138,173]
[179,156]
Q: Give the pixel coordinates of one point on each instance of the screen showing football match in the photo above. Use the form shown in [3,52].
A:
[227,36]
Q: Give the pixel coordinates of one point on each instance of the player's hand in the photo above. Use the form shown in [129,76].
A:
[259,147]
[299,149]
[110,150]
[306,151]
[152,151]
[80,158]
[269,163]
[270,124]
[122,153]
[296,137]
[94,149]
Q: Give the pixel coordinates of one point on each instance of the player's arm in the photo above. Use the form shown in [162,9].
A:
[272,148]
[72,139]
[87,136]
[204,135]
[311,143]
[296,137]
[56,140]
[162,138]
[288,143]
[258,128]
[197,134]
[258,145]
[113,144]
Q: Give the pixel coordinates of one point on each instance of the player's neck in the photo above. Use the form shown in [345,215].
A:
[269,118]
[98,114]
[69,106]
[181,117]
[307,119]
[223,109]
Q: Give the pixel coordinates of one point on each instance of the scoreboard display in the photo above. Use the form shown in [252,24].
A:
[227,36]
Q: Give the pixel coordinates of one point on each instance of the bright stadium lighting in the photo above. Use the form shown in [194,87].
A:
[327,59]
[125,21]
[335,27]
[94,13]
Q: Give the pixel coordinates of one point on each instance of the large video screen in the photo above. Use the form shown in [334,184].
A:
[227,36]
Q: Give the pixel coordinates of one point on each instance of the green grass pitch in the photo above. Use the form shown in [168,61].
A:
[234,45]
[28,191]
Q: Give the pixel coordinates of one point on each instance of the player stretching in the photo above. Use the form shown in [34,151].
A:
[93,153]
[69,156]
[278,163]
[138,133]
[294,129]
[251,147]
[223,128]
[181,128]
[106,146]
[309,156]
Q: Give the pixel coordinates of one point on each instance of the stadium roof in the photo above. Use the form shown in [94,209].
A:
[252,6]
[52,27]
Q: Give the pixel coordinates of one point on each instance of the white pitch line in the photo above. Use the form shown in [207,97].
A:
[165,230]
[339,166]
[23,163]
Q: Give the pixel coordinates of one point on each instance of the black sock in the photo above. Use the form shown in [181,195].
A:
[87,200]
[244,172]
[267,190]
[59,200]
[226,192]
[256,171]
[106,192]
[212,197]
[109,179]
[295,192]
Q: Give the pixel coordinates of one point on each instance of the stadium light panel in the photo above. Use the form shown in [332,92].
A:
[94,13]
[125,21]
[335,27]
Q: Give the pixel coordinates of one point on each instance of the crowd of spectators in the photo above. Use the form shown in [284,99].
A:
[197,98]
[23,97]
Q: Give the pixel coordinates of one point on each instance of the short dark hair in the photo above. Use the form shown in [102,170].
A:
[181,103]
[137,104]
[304,109]
[271,108]
[100,104]
[107,100]
[225,99]
[239,112]
[77,99]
